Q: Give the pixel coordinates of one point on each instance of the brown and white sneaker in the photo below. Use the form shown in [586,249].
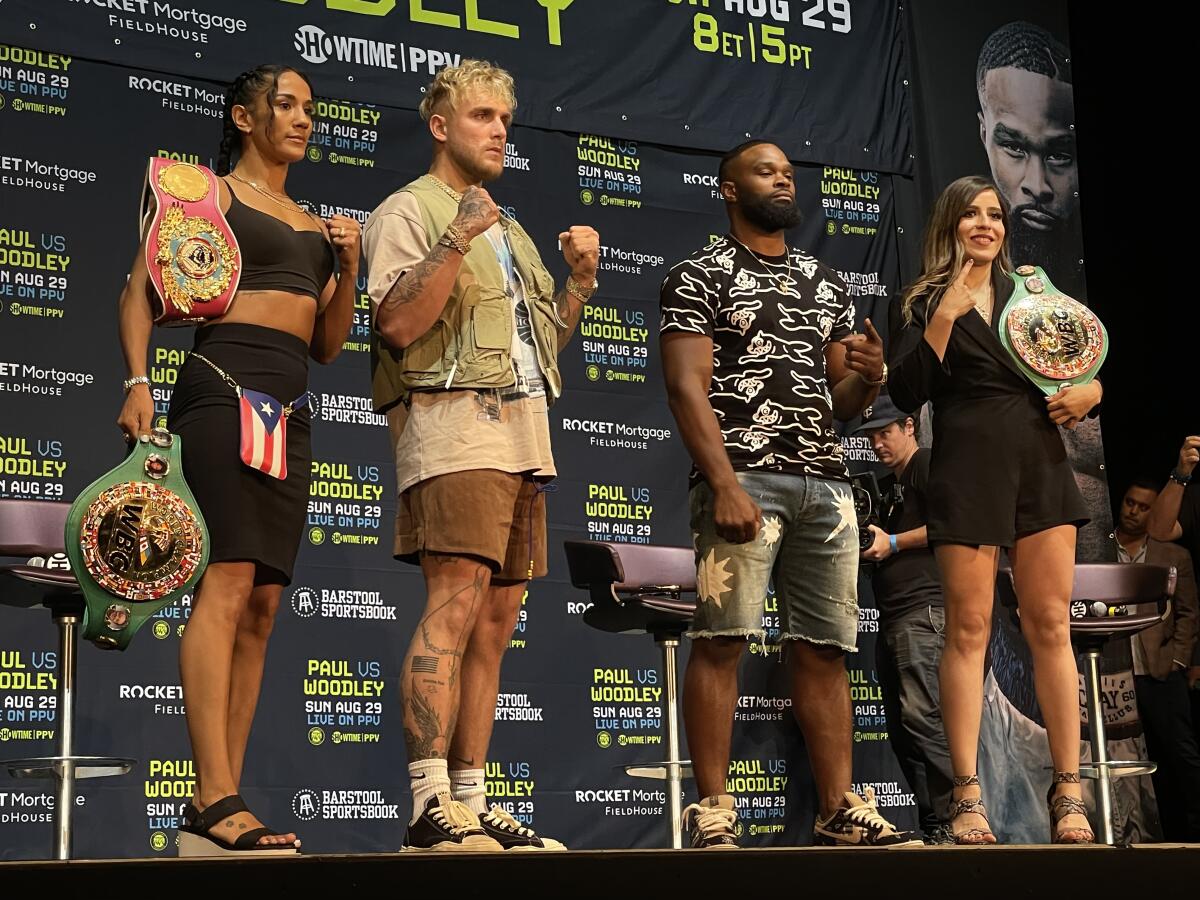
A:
[857,823]
[710,823]
[448,825]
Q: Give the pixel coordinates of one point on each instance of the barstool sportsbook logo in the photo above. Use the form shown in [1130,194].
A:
[308,805]
[330,603]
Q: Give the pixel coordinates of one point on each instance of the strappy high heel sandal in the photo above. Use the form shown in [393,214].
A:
[195,839]
[965,805]
[1065,805]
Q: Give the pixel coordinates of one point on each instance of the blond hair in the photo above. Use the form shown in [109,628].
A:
[454,82]
[942,256]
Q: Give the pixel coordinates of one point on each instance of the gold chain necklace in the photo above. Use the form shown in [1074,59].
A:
[285,202]
[783,282]
[454,195]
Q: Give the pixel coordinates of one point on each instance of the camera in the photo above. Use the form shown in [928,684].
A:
[868,506]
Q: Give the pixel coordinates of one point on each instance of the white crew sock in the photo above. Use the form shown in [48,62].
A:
[429,778]
[467,786]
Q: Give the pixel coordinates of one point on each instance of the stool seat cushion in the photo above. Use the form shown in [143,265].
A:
[26,586]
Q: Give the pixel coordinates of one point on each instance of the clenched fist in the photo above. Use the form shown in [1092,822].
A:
[581,250]
[477,212]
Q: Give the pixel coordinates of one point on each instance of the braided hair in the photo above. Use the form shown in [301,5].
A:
[244,90]
[1021,45]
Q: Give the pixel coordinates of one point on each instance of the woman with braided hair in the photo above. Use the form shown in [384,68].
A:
[289,305]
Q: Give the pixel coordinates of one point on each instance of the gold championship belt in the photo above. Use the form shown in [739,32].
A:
[1055,340]
[191,252]
[136,541]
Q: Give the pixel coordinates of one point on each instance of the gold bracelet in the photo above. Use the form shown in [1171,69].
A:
[455,240]
[578,291]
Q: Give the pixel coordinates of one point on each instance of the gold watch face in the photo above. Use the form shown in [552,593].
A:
[140,541]
[1054,335]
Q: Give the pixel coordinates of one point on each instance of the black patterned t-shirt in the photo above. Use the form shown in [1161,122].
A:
[770,320]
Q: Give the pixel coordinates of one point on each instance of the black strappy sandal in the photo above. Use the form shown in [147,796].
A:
[972,837]
[1065,805]
[195,839]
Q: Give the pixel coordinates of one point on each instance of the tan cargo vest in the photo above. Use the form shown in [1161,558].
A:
[470,344]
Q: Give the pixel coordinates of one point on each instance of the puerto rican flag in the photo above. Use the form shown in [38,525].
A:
[264,432]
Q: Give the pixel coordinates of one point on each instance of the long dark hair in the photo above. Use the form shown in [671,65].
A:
[942,255]
[244,90]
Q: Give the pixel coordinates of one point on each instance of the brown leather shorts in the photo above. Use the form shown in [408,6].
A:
[496,516]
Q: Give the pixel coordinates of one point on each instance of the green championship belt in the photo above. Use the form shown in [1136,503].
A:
[1055,340]
[136,540]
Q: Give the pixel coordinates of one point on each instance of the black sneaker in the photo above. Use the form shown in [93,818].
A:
[501,827]
[857,823]
[447,825]
[710,823]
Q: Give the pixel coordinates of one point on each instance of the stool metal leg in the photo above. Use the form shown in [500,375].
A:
[674,773]
[64,774]
[1104,798]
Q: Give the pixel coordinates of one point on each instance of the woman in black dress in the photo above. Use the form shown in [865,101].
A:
[289,306]
[999,477]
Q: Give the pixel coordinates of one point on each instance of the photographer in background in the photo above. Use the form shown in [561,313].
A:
[1161,657]
[908,594]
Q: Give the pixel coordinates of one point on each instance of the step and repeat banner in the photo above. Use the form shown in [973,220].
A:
[622,119]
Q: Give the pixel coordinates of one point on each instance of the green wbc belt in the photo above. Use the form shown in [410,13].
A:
[136,540]
[1055,340]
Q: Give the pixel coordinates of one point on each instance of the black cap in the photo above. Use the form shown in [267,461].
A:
[880,414]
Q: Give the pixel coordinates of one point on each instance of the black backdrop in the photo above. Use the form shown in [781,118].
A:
[88,90]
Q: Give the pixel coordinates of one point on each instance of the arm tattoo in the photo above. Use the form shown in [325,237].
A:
[563,304]
[472,210]
[413,284]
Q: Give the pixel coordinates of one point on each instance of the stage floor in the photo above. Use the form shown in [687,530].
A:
[1145,871]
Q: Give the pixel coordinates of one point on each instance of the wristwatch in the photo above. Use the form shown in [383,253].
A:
[882,378]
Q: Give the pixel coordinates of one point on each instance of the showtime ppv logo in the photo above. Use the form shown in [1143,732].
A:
[315,46]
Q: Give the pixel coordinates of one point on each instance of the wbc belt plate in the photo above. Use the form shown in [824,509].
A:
[191,252]
[1055,339]
[136,541]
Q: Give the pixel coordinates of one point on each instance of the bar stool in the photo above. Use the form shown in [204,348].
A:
[1109,585]
[638,589]
[35,528]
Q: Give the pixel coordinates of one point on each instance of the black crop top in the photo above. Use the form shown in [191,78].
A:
[276,256]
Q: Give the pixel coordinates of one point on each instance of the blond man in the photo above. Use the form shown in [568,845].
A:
[467,330]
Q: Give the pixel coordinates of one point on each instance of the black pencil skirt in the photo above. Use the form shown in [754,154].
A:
[251,516]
